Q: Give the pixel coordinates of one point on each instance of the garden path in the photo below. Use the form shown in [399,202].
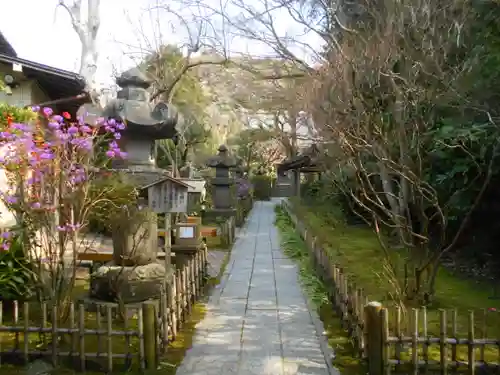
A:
[258,320]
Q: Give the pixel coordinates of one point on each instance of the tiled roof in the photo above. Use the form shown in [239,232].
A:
[5,47]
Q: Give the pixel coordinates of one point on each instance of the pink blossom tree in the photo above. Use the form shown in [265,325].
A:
[51,165]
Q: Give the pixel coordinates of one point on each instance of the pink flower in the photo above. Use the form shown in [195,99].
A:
[54,125]
[72,130]
[57,118]
[11,199]
[85,129]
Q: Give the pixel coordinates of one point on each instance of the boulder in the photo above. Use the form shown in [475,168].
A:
[129,284]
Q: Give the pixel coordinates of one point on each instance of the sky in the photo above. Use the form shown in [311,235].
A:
[42,32]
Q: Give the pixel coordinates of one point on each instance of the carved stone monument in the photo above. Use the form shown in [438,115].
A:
[135,274]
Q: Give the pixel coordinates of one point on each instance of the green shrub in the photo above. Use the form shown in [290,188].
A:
[243,207]
[110,194]
[333,203]
[9,113]
[262,187]
[15,273]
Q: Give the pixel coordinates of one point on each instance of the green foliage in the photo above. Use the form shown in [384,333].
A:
[335,205]
[458,155]
[253,147]
[187,94]
[482,53]
[262,187]
[166,66]
[452,134]
[294,247]
[15,273]
[358,252]
[9,113]
[243,208]
[110,195]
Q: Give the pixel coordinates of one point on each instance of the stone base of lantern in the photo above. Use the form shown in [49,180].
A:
[129,284]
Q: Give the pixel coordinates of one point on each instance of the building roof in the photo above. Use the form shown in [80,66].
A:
[306,161]
[195,185]
[56,83]
[5,47]
[163,179]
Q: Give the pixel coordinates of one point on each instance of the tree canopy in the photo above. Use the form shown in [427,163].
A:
[190,99]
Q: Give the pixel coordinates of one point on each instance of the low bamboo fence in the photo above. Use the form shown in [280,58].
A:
[405,344]
[92,330]
[243,207]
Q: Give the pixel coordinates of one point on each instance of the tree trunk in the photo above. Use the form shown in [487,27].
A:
[292,121]
[87,30]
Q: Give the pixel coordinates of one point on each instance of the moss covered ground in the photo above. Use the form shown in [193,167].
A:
[357,250]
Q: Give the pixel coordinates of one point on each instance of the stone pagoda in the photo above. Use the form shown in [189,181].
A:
[223,200]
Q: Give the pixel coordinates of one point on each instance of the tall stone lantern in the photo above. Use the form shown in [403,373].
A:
[135,274]
[223,200]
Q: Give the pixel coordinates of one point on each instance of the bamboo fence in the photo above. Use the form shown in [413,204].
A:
[144,332]
[404,344]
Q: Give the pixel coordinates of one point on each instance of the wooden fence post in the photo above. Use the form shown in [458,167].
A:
[164,316]
[172,304]
[225,233]
[178,297]
[150,334]
[373,338]
[232,229]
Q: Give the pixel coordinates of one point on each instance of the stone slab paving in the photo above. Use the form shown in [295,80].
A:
[258,320]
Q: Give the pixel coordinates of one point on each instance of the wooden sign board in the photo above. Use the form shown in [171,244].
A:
[167,197]
[165,187]
[154,199]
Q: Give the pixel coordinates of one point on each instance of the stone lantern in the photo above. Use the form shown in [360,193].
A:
[222,197]
[135,274]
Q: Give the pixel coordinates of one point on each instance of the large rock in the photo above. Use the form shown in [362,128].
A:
[129,284]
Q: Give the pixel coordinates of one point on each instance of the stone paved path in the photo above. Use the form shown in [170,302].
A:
[258,321]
